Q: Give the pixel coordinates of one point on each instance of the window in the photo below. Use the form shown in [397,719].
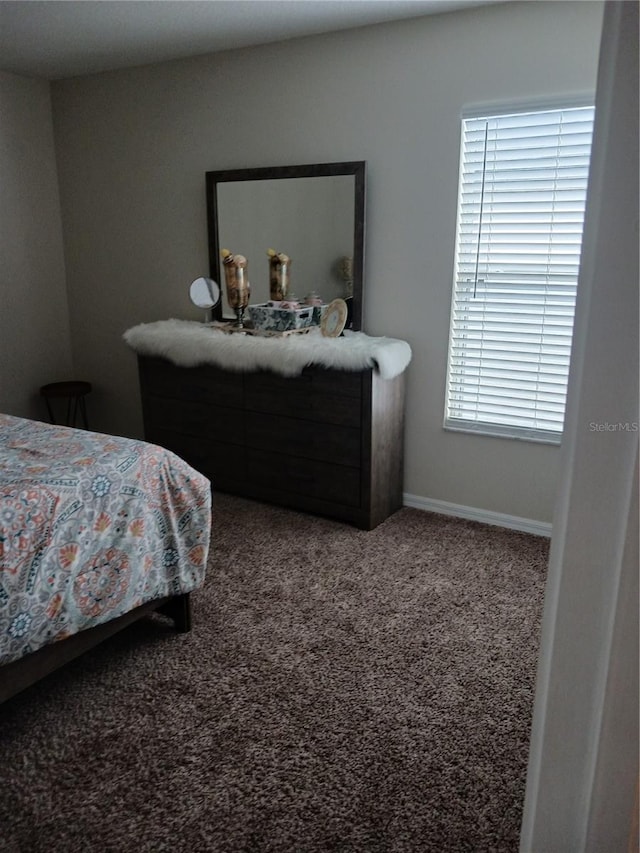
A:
[523,184]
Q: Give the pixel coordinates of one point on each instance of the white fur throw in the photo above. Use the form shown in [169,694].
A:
[187,344]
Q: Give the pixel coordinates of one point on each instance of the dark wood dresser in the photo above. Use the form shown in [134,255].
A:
[328,442]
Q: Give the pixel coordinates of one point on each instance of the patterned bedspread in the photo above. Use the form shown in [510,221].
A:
[91,526]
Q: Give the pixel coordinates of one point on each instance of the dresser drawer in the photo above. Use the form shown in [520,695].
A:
[312,380]
[204,421]
[295,400]
[324,442]
[309,477]
[222,463]
[205,384]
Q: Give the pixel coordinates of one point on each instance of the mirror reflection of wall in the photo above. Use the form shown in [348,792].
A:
[311,219]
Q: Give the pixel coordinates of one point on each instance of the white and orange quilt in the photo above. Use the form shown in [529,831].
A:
[91,526]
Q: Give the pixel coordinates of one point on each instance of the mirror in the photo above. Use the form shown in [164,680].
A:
[205,293]
[313,213]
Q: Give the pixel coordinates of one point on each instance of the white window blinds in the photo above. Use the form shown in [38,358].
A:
[523,183]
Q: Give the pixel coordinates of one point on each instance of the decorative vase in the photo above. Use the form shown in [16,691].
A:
[345,273]
[237,283]
[279,275]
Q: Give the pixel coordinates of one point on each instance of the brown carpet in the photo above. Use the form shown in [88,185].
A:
[340,691]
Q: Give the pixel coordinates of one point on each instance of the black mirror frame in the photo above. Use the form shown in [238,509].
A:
[357,168]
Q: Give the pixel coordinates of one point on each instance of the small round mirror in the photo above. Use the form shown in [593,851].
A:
[204,292]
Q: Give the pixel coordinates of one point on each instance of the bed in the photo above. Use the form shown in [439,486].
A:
[95,532]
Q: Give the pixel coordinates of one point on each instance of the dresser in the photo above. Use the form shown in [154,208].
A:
[328,442]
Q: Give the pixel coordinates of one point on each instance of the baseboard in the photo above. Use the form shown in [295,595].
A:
[470,513]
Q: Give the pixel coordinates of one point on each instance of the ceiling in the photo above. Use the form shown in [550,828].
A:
[66,38]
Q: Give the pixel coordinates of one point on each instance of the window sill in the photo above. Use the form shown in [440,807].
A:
[495,431]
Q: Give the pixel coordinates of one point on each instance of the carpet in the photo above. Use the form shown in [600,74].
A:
[341,690]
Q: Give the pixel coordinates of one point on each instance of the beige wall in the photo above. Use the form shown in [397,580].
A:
[34,322]
[133,147]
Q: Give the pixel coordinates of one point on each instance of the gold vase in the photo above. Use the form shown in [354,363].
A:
[279,277]
[237,283]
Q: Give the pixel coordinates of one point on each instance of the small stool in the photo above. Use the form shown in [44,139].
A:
[74,393]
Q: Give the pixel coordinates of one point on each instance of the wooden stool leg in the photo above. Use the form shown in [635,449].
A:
[83,412]
[69,395]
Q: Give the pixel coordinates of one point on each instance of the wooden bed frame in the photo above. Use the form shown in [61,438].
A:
[20,674]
